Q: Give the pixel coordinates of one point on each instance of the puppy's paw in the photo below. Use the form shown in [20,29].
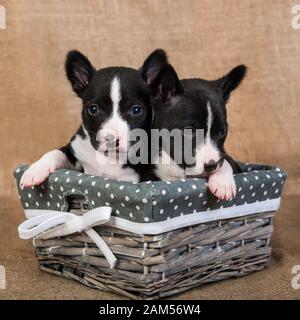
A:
[222,184]
[36,174]
[223,187]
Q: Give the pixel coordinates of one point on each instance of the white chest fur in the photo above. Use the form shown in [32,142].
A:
[96,163]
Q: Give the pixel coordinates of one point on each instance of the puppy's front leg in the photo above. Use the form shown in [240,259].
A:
[39,171]
[221,183]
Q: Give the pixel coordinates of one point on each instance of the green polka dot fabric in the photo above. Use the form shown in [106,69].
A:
[149,201]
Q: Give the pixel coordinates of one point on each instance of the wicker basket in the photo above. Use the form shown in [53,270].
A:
[159,254]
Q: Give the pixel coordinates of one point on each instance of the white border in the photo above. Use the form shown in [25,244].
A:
[154,228]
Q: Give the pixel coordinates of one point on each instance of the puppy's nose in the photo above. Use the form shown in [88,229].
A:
[210,166]
[112,140]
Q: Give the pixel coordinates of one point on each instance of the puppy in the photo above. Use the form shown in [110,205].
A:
[192,104]
[115,100]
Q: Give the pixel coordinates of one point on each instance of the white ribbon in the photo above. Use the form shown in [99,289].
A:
[58,223]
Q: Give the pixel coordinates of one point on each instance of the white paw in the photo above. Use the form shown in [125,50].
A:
[36,174]
[39,171]
[222,183]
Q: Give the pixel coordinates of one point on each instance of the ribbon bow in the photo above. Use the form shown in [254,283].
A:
[57,224]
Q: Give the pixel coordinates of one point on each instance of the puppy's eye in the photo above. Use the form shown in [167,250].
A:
[136,110]
[223,132]
[189,131]
[93,109]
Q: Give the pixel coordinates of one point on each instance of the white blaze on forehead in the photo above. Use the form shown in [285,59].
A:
[115,124]
[209,120]
[211,151]
[115,93]
[207,150]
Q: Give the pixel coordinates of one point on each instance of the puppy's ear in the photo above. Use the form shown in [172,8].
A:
[79,71]
[231,81]
[166,84]
[153,65]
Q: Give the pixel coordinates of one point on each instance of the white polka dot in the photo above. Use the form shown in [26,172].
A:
[93,183]
[29,195]
[122,204]
[194,211]
[168,182]
[60,197]
[280,175]
[73,190]
[204,202]
[268,176]
[80,181]
[154,202]
[245,179]
[276,191]
[208,209]
[18,170]
[176,207]
[56,179]
[145,200]
[107,185]
[240,189]
[51,188]
[58,204]
[79,175]
[181,213]
[86,191]
[98,194]
[137,208]
[200,195]
[148,182]
[146,219]
[112,196]
[253,194]
[186,198]
[61,189]
[262,185]
[190,204]
[171,200]
[161,211]
[179,189]
[137,190]
[117,211]
[93,202]
[256,177]
[163,192]
[67,172]
[48,204]
[266,192]
[251,187]
[121,187]
[242,196]
[68,180]
[277,169]
[51,196]
[107,204]
[130,214]
[194,187]
[26,204]
[273,184]
[126,198]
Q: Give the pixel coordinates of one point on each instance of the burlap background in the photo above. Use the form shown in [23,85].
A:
[203,38]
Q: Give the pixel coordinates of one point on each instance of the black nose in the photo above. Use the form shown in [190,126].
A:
[210,166]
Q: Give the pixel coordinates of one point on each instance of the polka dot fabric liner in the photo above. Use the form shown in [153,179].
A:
[150,201]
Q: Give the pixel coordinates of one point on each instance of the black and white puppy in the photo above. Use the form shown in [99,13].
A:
[195,104]
[115,100]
